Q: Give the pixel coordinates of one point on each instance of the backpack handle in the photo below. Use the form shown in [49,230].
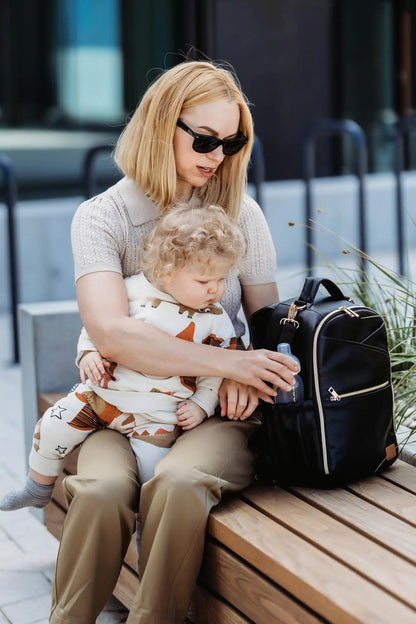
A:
[311,287]
[280,331]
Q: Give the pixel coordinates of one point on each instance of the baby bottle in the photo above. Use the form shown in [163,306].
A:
[296,392]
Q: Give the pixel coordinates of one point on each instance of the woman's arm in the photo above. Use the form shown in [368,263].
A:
[238,401]
[103,305]
[255,297]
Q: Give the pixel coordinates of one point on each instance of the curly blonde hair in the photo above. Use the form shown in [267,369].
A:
[192,236]
[144,151]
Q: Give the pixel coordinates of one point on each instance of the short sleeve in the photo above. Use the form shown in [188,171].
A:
[259,263]
[97,236]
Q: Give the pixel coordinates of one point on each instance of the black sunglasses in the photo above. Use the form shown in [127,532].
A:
[204,143]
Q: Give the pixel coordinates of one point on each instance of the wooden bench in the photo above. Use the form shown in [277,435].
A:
[299,555]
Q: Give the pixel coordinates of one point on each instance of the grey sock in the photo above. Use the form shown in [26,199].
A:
[32,495]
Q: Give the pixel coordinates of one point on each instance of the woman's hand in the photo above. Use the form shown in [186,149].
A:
[237,401]
[258,366]
[254,367]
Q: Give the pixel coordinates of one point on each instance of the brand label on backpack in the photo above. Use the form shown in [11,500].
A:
[391,452]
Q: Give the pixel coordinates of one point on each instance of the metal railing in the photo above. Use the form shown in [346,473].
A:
[11,199]
[334,127]
[403,128]
[88,168]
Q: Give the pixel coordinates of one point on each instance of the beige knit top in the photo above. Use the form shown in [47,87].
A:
[108,231]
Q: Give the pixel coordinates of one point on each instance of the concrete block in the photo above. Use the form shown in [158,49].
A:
[48,335]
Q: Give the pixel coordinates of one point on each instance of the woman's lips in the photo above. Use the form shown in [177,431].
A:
[206,171]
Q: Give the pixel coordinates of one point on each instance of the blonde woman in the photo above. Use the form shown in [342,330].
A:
[188,141]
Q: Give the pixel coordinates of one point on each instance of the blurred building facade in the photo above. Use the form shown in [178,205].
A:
[72,71]
[83,65]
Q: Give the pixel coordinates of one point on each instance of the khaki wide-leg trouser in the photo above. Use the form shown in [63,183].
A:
[204,463]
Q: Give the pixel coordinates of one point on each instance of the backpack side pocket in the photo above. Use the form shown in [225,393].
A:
[287,447]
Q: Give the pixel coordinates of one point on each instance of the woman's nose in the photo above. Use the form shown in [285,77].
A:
[217,154]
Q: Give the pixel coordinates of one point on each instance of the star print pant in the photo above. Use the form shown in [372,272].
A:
[73,418]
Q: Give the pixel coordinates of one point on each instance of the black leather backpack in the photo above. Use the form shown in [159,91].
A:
[343,429]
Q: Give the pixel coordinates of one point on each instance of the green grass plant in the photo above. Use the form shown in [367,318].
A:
[394,297]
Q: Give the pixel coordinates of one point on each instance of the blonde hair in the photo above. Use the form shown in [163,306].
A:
[144,151]
[192,236]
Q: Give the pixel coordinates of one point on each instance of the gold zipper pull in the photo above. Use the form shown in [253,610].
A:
[349,312]
[334,395]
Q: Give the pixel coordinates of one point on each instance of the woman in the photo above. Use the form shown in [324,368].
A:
[188,141]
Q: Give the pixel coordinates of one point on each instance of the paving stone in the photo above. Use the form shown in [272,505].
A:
[39,540]
[24,562]
[49,572]
[17,523]
[9,552]
[112,617]
[29,611]
[114,612]
[4,537]
[17,586]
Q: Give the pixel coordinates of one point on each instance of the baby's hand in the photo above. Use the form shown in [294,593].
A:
[92,365]
[189,414]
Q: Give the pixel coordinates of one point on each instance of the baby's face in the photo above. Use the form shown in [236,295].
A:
[195,286]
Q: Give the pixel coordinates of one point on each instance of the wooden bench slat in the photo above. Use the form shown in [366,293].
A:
[389,531]
[207,608]
[376,563]
[387,496]
[46,400]
[316,579]
[401,474]
[249,591]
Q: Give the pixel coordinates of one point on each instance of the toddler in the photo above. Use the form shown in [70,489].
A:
[185,264]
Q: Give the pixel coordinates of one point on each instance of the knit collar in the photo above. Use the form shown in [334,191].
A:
[140,207]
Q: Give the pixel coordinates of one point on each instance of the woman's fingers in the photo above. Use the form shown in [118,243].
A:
[237,401]
[228,397]
[265,397]
[258,366]
[253,401]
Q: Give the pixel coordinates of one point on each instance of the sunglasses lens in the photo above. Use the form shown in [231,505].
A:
[205,144]
[233,146]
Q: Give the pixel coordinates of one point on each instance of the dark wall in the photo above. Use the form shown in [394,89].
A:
[284,53]
[26,90]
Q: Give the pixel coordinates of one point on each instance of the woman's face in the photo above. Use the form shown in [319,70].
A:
[219,119]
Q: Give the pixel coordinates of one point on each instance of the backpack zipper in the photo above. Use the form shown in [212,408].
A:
[337,397]
[351,313]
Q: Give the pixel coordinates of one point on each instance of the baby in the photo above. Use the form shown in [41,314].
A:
[185,264]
